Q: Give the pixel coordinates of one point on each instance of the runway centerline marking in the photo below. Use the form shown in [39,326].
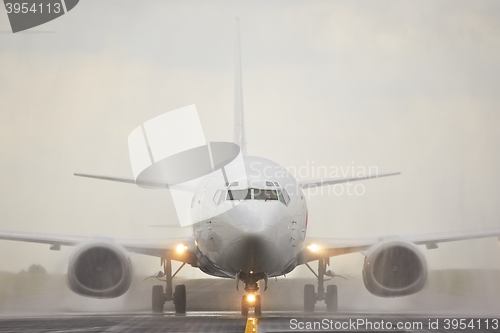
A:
[252,325]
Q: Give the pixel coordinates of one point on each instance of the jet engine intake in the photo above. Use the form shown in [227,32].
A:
[99,269]
[394,268]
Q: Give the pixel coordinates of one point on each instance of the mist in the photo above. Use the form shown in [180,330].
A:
[403,86]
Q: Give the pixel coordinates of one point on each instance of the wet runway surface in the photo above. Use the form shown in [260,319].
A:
[124,323]
[213,307]
[233,322]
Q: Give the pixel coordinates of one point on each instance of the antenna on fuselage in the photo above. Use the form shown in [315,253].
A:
[239,121]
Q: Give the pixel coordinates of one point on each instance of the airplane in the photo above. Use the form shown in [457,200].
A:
[256,230]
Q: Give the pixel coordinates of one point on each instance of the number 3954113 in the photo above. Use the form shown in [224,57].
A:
[25,8]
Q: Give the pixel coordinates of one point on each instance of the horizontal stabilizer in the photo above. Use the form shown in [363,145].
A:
[173,226]
[331,181]
[124,180]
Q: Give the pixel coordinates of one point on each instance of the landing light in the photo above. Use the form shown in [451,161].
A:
[313,248]
[251,298]
[181,248]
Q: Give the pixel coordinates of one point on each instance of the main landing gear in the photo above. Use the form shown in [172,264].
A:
[330,296]
[251,299]
[178,296]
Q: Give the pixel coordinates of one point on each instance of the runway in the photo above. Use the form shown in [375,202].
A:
[124,323]
[213,306]
[228,322]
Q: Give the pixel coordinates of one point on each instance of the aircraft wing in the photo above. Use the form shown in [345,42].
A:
[331,181]
[151,247]
[33,237]
[329,247]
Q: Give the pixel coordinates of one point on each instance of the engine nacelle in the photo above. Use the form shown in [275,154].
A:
[99,269]
[394,268]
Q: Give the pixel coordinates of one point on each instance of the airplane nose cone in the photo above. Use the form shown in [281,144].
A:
[255,217]
[253,245]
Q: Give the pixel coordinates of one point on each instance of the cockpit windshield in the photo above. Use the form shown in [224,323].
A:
[239,194]
[260,194]
[252,194]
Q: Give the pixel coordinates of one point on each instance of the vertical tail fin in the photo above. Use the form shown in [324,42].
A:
[239,123]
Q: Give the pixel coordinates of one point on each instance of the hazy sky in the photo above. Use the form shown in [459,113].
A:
[403,86]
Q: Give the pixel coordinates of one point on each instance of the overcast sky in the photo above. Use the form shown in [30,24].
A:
[403,86]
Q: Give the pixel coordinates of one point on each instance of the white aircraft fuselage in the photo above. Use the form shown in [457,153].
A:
[261,225]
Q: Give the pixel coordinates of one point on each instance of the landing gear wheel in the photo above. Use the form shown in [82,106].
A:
[158,299]
[331,298]
[258,306]
[180,299]
[244,306]
[309,298]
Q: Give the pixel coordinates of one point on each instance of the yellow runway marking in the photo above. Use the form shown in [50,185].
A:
[252,325]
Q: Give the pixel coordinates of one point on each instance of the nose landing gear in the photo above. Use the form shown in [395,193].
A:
[251,299]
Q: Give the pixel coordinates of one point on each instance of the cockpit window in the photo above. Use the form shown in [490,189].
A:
[222,197]
[286,197]
[252,194]
[239,194]
[260,194]
[280,195]
[216,197]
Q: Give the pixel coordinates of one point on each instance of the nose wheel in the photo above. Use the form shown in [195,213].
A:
[251,301]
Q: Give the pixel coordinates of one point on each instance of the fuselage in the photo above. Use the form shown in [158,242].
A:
[253,225]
